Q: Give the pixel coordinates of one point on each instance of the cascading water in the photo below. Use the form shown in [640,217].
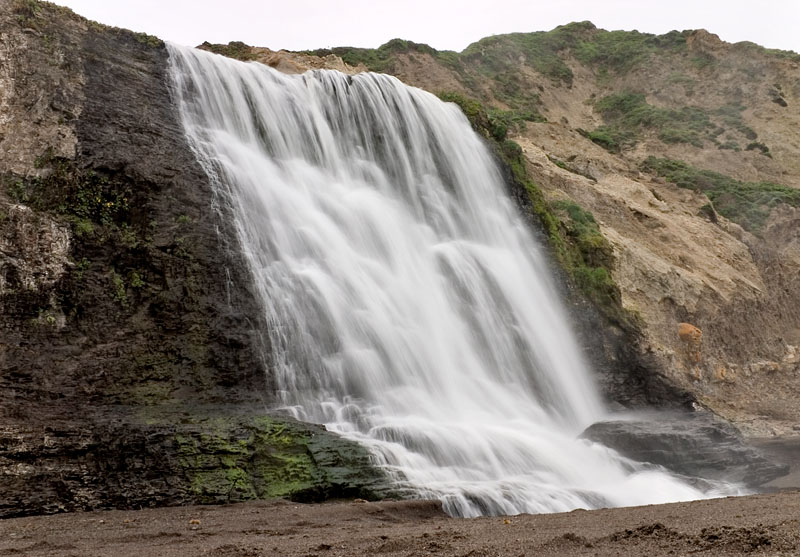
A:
[408,305]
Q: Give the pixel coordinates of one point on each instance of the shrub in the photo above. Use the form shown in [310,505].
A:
[381,59]
[621,51]
[612,138]
[731,116]
[731,145]
[234,49]
[746,203]
[628,114]
[589,256]
[760,146]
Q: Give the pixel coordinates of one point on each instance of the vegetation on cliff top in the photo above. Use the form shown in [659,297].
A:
[573,233]
[381,59]
[746,203]
[234,49]
[504,73]
[39,15]
[628,116]
[546,51]
[499,58]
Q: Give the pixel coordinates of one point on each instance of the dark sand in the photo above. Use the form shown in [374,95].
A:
[768,523]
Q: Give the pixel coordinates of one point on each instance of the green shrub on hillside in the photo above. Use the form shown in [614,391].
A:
[546,51]
[621,51]
[757,145]
[731,117]
[540,50]
[628,114]
[496,62]
[753,48]
[582,227]
[587,256]
[575,238]
[234,49]
[381,59]
[512,119]
[573,234]
[494,121]
[746,203]
[611,138]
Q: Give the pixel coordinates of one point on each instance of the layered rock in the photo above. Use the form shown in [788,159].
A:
[214,454]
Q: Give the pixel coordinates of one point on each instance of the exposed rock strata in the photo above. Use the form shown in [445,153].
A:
[218,454]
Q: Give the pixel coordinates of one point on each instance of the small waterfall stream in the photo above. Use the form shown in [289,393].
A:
[409,308]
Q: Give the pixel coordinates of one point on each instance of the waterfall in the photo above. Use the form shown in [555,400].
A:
[409,307]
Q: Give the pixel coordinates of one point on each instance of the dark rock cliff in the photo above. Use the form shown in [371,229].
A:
[131,368]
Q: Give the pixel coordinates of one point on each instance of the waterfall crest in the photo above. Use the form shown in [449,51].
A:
[409,307]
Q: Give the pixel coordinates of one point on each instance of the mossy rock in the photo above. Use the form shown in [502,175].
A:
[263,457]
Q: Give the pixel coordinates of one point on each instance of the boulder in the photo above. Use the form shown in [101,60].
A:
[693,444]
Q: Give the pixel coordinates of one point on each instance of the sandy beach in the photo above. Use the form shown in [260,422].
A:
[762,524]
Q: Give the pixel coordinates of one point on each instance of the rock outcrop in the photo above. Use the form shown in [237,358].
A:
[692,444]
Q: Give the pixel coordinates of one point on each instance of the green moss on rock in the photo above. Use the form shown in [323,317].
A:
[259,457]
[573,234]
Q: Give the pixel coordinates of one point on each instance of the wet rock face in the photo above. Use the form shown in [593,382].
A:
[124,305]
[693,444]
[34,250]
[212,457]
[119,282]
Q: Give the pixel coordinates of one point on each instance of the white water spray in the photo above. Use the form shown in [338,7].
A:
[409,308]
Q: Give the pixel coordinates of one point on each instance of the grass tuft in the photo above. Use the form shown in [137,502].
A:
[746,203]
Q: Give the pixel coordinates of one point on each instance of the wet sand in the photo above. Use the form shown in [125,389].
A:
[768,523]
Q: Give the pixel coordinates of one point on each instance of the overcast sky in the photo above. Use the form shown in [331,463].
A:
[445,25]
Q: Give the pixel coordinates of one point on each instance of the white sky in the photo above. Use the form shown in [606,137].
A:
[445,25]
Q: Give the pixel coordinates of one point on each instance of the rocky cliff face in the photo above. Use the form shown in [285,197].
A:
[684,149]
[131,368]
[702,253]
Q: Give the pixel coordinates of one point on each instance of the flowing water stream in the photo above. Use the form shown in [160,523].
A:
[409,307]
